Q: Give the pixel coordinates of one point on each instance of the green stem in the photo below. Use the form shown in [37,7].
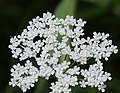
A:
[72,64]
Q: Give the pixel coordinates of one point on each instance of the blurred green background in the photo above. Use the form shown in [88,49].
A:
[101,16]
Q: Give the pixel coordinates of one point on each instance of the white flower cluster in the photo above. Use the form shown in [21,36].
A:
[66,78]
[95,76]
[59,49]
[24,76]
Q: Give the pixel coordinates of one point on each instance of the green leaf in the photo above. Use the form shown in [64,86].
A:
[91,12]
[65,7]
[78,89]
[116,7]
[100,3]
[9,89]
[94,8]
[42,86]
[113,86]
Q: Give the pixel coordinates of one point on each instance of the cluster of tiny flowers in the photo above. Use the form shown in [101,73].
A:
[95,76]
[24,76]
[59,49]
